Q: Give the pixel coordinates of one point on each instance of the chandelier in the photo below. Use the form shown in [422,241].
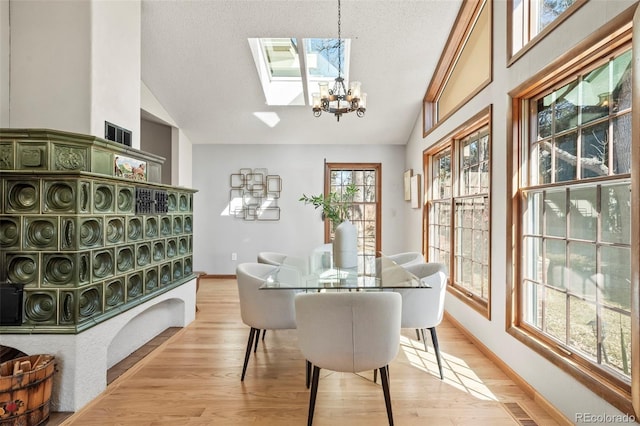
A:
[338,100]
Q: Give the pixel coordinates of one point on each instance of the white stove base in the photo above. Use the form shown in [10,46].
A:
[83,359]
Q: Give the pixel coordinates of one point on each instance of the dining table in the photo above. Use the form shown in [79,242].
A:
[317,271]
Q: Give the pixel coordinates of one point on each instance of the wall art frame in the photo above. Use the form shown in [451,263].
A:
[407,184]
[254,195]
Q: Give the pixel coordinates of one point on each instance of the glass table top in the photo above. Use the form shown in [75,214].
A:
[317,272]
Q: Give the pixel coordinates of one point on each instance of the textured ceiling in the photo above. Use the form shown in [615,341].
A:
[197,62]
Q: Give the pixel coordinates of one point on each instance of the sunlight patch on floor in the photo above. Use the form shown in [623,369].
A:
[455,371]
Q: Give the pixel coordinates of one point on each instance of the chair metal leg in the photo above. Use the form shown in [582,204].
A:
[384,375]
[436,349]
[375,375]
[263,333]
[426,349]
[418,334]
[314,392]
[308,373]
[257,339]
[252,334]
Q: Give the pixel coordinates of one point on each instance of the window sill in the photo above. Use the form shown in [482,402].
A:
[604,387]
[479,305]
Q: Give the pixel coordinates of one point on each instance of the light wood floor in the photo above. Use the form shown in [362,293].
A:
[194,379]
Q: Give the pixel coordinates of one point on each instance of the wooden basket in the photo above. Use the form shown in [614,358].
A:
[25,390]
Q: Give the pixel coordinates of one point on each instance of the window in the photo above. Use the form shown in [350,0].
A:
[459,210]
[286,78]
[573,280]
[530,20]
[322,61]
[365,214]
[439,246]
[471,218]
[465,67]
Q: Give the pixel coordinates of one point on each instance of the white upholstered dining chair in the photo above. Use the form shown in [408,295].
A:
[349,332]
[301,264]
[262,309]
[424,308]
[271,257]
[291,265]
[408,258]
[404,259]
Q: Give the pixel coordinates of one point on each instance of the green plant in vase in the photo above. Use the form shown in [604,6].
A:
[335,206]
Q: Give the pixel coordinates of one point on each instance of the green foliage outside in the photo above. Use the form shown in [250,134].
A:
[335,206]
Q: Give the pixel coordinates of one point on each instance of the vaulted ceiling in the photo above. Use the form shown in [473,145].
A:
[196,60]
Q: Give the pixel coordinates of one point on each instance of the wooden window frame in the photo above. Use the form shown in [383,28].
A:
[329,167]
[462,27]
[475,123]
[602,43]
[530,41]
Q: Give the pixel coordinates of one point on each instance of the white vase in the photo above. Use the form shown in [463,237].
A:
[345,245]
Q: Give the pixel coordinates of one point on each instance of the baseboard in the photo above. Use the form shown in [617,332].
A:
[204,275]
[522,384]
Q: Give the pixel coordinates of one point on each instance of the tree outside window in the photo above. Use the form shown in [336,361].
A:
[575,283]
[459,212]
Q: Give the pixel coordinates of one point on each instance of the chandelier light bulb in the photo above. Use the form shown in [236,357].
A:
[354,89]
[324,90]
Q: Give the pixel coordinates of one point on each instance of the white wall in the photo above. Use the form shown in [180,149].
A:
[300,229]
[156,138]
[50,65]
[150,104]
[115,66]
[181,149]
[73,65]
[557,387]
[182,154]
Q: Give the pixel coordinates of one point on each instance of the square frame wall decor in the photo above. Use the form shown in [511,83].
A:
[407,184]
[254,195]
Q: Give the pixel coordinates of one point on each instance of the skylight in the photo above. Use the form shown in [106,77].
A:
[280,69]
[281,57]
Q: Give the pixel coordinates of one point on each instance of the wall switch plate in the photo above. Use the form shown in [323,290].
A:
[234,256]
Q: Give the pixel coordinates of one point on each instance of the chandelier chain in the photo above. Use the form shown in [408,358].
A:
[339,42]
[339,100]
